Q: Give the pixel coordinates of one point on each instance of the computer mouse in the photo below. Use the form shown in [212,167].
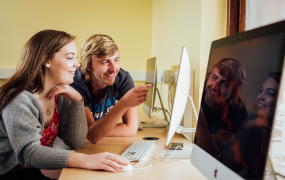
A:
[128,167]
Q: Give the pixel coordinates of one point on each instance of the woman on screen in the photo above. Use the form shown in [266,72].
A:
[241,155]
[37,105]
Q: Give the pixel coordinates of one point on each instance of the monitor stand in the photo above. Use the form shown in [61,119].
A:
[159,122]
[182,129]
[185,153]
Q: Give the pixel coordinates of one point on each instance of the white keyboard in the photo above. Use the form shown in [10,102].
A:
[138,150]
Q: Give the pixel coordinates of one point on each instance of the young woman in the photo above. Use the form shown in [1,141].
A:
[247,153]
[37,105]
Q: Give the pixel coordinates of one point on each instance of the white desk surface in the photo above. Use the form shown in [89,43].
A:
[166,169]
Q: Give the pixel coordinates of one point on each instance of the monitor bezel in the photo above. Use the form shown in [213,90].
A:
[198,153]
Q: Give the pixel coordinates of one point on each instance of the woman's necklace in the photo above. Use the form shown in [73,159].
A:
[48,111]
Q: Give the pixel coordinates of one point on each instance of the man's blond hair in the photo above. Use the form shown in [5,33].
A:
[101,46]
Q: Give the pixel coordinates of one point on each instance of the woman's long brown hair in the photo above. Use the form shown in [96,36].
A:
[31,68]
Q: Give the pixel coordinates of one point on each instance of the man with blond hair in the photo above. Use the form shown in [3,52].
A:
[108,91]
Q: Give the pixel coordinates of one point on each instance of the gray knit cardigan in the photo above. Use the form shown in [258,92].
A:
[21,127]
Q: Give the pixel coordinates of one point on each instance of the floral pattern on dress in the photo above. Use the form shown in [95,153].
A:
[49,134]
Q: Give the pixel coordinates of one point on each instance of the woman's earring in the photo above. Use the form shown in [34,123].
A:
[47,65]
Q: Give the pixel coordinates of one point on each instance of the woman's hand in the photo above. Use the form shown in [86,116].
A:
[65,91]
[104,161]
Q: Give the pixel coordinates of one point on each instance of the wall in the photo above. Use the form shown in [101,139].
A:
[128,22]
[175,24]
[213,27]
[142,29]
[190,23]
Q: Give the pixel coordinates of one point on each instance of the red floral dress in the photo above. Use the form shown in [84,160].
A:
[49,134]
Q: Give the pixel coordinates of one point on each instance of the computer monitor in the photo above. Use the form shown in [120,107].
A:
[148,107]
[180,96]
[151,78]
[238,104]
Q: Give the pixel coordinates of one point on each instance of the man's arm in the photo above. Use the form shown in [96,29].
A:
[108,125]
[129,126]
[89,116]
[125,108]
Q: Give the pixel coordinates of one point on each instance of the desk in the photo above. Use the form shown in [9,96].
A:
[164,170]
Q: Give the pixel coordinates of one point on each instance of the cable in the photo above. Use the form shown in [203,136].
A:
[160,109]
[186,137]
[172,154]
[183,129]
[149,165]
[278,174]
[161,89]
[170,94]
[169,98]
[193,106]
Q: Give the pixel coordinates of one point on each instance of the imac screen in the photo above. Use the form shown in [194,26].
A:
[151,71]
[238,104]
[181,95]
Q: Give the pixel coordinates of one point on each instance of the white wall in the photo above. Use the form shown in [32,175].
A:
[190,23]
[213,27]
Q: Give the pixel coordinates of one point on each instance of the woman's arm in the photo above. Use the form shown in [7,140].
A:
[105,161]
[73,125]
[23,119]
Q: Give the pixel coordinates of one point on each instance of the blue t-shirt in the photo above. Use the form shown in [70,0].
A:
[101,106]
